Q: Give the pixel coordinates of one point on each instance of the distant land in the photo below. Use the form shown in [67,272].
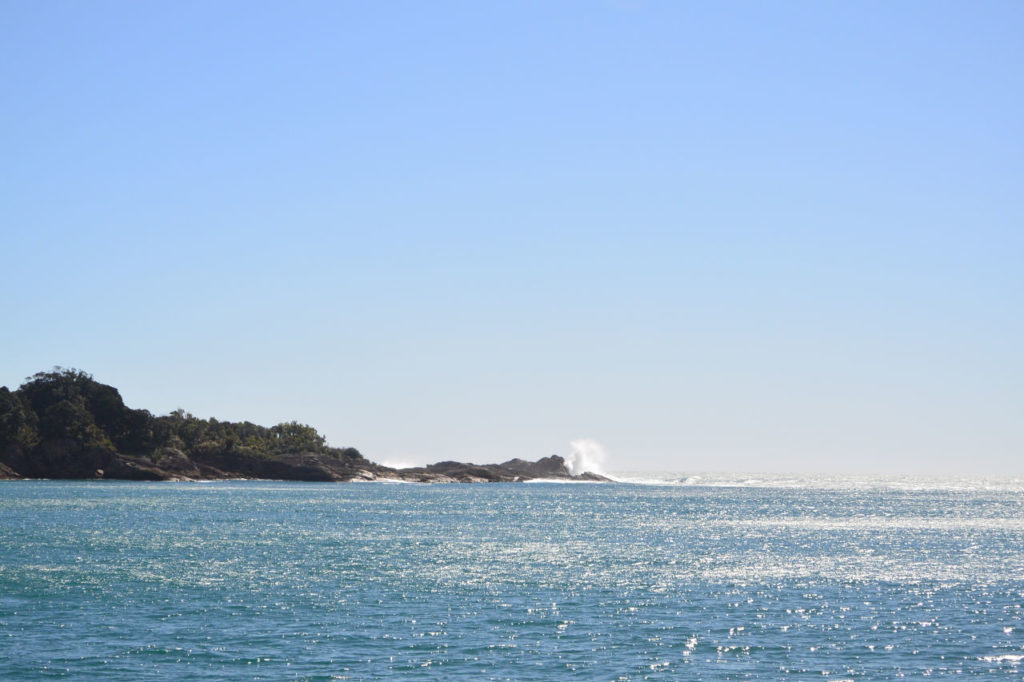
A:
[63,424]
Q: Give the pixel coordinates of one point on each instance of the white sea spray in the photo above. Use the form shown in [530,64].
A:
[585,455]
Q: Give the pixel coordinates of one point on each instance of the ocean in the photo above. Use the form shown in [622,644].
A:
[700,577]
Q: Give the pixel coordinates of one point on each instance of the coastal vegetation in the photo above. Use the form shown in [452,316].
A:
[65,424]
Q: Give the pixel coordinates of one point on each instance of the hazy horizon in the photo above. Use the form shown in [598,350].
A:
[709,237]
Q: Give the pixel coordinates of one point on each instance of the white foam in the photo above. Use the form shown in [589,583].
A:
[565,481]
[1004,658]
[823,481]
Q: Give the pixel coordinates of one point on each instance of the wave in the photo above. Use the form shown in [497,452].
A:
[568,481]
[1004,658]
[822,481]
[385,481]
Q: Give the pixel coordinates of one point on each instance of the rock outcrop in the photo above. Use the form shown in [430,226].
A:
[7,473]
[552,467]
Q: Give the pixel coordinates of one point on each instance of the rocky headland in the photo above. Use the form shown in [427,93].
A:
[63,424]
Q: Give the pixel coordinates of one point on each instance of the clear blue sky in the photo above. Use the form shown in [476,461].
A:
[714,236]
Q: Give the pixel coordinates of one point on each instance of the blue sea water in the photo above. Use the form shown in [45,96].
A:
[692,578]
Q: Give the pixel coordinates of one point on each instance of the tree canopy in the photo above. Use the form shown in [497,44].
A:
[68,406]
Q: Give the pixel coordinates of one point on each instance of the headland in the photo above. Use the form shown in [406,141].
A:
[64,424]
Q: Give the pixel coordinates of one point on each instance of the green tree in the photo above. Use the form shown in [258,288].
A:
[296,437]
[18,422]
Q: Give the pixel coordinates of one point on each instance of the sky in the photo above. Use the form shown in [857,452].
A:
[718,236]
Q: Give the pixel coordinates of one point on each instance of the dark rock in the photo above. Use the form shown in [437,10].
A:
[7,473]
[12,456]
[66,458]
[129,469]
[553,466]
[507,472]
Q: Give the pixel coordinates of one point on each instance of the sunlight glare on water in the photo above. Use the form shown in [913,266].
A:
[835,579]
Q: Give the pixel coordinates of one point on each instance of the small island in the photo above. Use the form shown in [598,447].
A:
[64,424]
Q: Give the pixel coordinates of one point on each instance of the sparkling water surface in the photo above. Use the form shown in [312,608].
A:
[713,578]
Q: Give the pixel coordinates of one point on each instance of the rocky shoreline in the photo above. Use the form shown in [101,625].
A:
[65,425]
[299,466]
[291,467]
